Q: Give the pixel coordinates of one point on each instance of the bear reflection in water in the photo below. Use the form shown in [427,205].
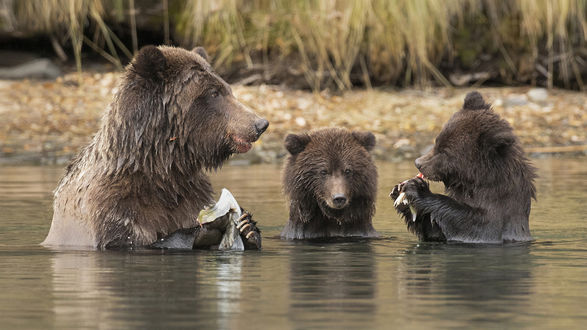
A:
[482,277]
[335,276]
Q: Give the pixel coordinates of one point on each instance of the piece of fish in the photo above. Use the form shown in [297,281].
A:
[231,239]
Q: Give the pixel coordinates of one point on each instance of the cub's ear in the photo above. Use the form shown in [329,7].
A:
[498,143]
[366,139]
[296,143]
[474,101]
[150,63]
[202,52]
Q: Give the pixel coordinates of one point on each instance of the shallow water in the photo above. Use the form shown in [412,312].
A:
[389,282]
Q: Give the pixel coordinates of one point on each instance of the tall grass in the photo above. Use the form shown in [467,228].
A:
[69,20]
[329,37]
[338,42]
[559,22]
[397,42]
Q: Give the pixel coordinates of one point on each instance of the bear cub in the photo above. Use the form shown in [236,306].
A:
[489,182]
[331,183]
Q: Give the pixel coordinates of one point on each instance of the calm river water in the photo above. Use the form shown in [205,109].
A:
[392,282]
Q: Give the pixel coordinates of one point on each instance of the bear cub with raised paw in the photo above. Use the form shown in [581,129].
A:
[489,182]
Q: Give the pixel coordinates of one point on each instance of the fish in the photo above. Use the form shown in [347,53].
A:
[231,240]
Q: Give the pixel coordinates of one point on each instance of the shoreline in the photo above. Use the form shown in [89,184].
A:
[47,122]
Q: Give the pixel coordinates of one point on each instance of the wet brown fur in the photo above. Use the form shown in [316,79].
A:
[489,181]
[142,175]
[323,163]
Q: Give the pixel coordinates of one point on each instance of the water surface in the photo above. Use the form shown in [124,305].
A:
[389,282]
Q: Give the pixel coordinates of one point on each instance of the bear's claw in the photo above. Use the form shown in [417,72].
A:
[248,230]
[243,220]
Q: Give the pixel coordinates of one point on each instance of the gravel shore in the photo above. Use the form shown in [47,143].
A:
[46,122]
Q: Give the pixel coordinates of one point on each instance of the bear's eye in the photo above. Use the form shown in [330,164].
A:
[215,93]
[348,171]
[323,172]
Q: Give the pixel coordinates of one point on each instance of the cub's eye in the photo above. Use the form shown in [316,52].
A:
[215,93]
[323,172]
[348,171]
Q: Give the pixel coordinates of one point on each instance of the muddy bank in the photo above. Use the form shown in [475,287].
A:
[46,122]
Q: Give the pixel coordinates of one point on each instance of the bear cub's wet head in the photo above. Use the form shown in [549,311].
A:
[475,140]
[331,182]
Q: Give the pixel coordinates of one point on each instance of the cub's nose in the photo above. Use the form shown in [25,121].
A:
[418,163]
[261,125]
[339,200]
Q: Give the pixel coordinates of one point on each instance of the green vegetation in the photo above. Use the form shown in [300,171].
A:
[339,43]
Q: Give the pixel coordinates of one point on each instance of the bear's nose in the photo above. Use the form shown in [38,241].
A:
[339,200]
[261,125]
[418,163]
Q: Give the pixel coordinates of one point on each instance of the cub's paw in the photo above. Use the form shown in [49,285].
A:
[415,188]
[399,203]
[394,194]
[249,232]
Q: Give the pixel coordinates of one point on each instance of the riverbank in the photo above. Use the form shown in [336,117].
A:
[46,122]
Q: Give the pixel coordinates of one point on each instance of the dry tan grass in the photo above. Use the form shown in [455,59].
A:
[391,41]
[402,41]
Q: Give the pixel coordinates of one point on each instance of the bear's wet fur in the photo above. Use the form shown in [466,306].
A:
[142,176]
[489,182]
[330,180]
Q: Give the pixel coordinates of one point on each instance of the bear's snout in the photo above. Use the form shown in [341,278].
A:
[260,126]
[244,127]
[418,163]
[429,165]
[337,197]
[425,163]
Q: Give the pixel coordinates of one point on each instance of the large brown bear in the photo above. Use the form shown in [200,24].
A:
[331,182]
[142,176]
[488,180]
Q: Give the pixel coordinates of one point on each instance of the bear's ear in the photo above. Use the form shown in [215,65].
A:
[202,52]
[150,63]
[366,139]
[474,101]
[499,142]
[296,143]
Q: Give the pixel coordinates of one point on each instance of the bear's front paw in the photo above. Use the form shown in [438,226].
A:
[394,194]
[399,202]
[415,188]
[249,232]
